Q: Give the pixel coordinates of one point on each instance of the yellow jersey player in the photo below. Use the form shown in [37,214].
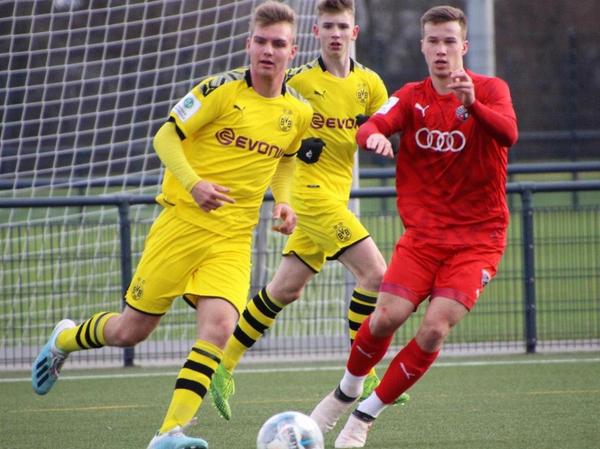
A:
[342,93]
[225,142]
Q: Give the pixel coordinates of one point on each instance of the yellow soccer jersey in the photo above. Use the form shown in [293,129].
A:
[234,137]
[336,102]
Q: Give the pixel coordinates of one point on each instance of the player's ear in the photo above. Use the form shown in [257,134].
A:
[465,47]
[315,29]
[355,32]
[293,51]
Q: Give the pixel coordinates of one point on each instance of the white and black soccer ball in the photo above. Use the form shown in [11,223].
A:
[289,430]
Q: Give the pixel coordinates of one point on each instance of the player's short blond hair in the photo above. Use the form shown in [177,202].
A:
[443,14]
[334,6]
[272,12]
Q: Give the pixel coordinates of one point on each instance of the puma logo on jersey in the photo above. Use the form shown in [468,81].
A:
[421,109]
[320,93]
[239,108]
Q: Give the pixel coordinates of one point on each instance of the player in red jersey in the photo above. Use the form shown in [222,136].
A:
[456,129]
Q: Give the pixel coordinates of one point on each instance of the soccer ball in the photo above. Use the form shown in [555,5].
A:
[289,430]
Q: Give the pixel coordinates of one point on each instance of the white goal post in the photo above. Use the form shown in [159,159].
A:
[84,85]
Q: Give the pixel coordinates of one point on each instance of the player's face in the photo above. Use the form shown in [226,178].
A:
[270,49]
[335,33]
[443,46]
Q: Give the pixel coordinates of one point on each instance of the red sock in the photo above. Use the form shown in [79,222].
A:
[407,367]
[367,350]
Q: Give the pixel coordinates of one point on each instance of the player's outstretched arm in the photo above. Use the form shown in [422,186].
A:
[498,117]
[370,138]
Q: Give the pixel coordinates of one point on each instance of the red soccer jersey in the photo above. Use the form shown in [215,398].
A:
[451,165]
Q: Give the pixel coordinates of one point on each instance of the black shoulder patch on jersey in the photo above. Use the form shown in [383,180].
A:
[362,67]
[294,93]
[212,83]
[303,68]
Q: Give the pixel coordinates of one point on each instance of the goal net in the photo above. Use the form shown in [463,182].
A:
[84,86]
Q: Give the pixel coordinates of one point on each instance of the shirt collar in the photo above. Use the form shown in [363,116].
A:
[248,78]
[324,68]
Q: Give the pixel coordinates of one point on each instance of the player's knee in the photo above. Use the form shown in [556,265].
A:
[371,276]
[218,330]
[384,322]
[431,335]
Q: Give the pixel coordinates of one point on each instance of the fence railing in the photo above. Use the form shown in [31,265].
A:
[527,244]
[364,173]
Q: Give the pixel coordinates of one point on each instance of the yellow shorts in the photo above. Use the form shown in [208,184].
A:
[180,258]
[325,229]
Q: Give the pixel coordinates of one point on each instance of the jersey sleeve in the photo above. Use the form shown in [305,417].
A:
[199,107]
[494,111]
[393,115]
[378,96]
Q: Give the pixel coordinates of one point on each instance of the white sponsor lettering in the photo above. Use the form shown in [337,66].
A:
[187,107]
[441,141]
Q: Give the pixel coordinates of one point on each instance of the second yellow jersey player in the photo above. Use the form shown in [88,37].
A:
[321,190]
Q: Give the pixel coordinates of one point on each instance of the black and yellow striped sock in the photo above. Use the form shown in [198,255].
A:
[258,316]
[361,306]
[88,335]
[192,384]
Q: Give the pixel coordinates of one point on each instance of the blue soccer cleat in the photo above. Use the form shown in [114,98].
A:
[177,439]
[49,361]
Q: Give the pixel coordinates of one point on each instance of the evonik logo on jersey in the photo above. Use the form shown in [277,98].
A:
[318,122]
[442,141]
[227,137]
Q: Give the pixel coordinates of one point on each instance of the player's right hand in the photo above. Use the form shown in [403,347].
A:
[210,196]
[379,144]
[310,150]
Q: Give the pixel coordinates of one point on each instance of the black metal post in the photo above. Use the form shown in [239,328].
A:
[529,268]
[126,268]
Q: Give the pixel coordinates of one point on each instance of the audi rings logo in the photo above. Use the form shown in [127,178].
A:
[442,141]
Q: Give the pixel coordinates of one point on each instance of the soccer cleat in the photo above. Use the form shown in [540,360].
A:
[177,439]
[371,383]
[354,433]
[49,361]
[327,412]
[222,387]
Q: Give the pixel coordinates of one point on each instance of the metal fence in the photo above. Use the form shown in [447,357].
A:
[546,296]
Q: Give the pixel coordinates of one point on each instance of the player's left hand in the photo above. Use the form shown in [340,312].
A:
[462,86]
[284,218]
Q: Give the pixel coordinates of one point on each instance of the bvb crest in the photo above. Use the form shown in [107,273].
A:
[285,122]
[137,290]
[362,94]
[342,232]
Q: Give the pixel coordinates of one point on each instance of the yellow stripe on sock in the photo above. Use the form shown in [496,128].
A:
[193,382]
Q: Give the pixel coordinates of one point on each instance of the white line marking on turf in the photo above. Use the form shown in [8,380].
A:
[314,368]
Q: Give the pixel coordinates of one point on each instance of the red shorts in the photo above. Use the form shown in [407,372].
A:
[421,269]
